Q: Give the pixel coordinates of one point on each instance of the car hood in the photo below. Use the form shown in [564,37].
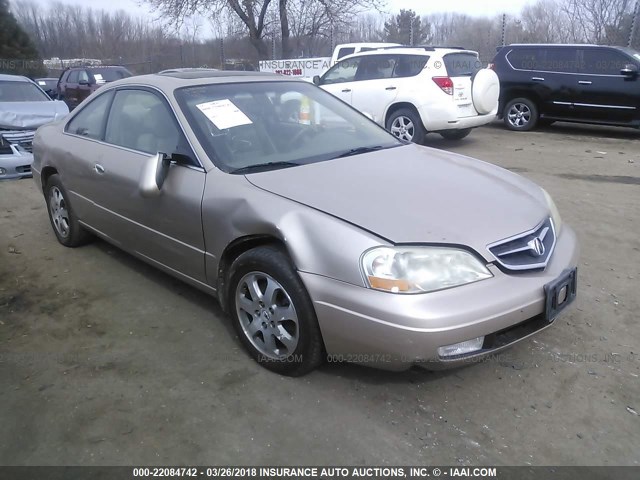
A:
[30,115]
[414,194]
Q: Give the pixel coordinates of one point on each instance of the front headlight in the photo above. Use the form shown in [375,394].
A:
[555,214]
[420,269]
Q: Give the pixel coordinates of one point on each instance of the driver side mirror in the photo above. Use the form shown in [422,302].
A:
[154,173]
[316,80]
[83,82]
[630,70]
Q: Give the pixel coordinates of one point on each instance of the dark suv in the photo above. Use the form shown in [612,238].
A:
[540,84]
[77,83]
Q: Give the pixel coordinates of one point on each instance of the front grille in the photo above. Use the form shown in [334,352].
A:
[526,251]
[22,138]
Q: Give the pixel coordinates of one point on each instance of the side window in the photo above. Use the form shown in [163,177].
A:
[603,61]
[82,76]
[89,122]
[526,58]
[410,65]
[73,77]
[345,71]
[343,52]
[140,120]
[376,67]
[563,60]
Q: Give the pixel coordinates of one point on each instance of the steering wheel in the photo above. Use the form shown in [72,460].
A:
[305,131]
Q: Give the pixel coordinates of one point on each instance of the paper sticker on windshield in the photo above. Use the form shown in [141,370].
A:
[224,114]
[41,83]
[99,78]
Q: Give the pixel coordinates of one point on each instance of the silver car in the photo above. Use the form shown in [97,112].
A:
[321,234]
[24,106]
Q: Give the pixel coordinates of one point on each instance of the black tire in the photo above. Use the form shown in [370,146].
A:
[272,261]
[455,134]
[417,133]
[76,235]
[529,115]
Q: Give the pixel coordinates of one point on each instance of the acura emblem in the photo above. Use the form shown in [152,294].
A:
[536,247]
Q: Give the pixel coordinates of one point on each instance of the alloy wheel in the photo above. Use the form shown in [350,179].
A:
[403,128]
[59,212]
[519,115]
[267,315]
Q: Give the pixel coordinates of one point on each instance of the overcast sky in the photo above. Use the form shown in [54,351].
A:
[471,7]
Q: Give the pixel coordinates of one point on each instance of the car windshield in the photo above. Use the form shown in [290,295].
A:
[21,92]
[104,75]
[256,126]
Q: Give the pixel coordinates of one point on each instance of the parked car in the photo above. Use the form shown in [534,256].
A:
[23,108]
[317,238]
[544,83]
[414,91]
[49,85]
[77,83]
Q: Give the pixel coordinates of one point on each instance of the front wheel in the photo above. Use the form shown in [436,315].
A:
[272,312]
[455,134]
[520,114]
[407,125]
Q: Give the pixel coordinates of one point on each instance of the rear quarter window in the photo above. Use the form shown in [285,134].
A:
[462,64]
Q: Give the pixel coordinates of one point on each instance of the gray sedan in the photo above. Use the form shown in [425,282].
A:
[321,234]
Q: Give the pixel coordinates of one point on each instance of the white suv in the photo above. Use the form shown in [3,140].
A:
[412,91]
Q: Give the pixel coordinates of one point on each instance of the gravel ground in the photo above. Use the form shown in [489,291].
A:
[104,360]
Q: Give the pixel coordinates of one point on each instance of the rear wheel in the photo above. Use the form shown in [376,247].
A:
[272,312]
[407,125]
[520,114]
[455,134]
[65,224]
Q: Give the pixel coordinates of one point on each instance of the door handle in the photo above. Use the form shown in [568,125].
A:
[99,169]
[346,90]
[537,79]
[390,88]
[584,82]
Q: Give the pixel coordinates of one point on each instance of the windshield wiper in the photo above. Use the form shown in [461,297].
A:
[265,166]
[361,150]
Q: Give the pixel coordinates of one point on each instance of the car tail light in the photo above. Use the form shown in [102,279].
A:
[445,83]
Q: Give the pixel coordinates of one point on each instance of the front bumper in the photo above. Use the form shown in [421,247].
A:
[395,332]
[16,165]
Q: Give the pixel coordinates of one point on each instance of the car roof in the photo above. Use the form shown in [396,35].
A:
[95,66]
[405,50]
[172,80]
[13,78]
[558,45]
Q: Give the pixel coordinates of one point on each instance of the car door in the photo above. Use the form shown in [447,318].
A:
[166,229]
[538,73]
[340,78]
[375,88]
[71,89]
[604,93]
[81,150]
[560,68]
[84,85]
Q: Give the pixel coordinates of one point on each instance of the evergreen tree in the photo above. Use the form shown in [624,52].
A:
[407,28]
[18,55]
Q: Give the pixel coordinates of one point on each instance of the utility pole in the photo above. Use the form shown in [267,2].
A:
[411,34]
[634,23]
[504,27]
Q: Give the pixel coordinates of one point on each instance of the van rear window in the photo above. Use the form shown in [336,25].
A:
[462,64]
